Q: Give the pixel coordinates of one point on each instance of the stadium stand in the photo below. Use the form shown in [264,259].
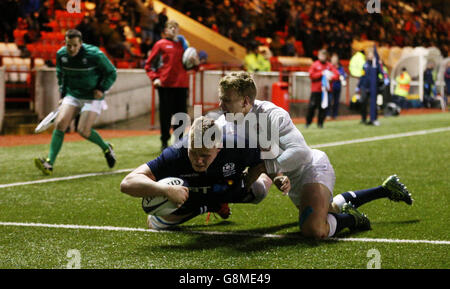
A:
[223,29]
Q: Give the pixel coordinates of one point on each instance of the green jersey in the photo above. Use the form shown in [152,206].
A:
[87,71]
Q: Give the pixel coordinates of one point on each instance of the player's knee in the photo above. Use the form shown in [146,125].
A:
[125,186]
[61,125]
[310,225]
[314,232]
[84,132]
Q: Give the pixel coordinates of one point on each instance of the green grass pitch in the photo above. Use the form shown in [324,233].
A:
[421,161]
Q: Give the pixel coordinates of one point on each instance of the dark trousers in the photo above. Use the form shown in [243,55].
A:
[367,100]
[427,98]
[333,102]
[171,101]
[315,103]
[365,96]
[400,101]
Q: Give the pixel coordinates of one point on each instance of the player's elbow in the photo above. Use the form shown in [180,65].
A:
[125,186]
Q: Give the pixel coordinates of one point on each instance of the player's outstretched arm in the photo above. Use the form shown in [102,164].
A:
[142,183]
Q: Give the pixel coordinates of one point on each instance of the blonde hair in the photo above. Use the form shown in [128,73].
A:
[171,23]
[240,82]
[205,133]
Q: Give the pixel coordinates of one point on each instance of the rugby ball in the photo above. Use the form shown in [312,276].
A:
[190,58]
[47,121]
[161,206]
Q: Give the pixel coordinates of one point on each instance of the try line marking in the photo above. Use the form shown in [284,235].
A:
[332,144]
[383,137]
[228,233]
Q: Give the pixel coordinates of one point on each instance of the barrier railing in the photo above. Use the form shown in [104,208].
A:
[193,74]
[203,86]
[19,76]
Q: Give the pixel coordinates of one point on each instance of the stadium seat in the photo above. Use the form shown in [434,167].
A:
[19,36]
[39,62]
[122,64]
[299,48]
[262,40]
[40,50]
[9,64]
[27,62]
[3,49]
[9,49]
[275,64]
[21,66]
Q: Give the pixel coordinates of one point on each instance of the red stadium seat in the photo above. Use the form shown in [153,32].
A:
[299,48]
[261,40]
[19,36]
[275,64]
[33,50]
[122,64]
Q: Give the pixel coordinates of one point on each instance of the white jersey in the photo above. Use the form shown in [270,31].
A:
[293,153]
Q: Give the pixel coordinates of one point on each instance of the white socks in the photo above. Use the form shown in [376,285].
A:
[332,222]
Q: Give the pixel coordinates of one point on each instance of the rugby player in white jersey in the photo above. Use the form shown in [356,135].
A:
[310,172]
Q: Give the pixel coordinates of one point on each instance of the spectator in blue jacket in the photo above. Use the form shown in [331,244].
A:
[429,89]
[370,79]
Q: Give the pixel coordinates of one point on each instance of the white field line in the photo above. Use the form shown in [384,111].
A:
[361,140]
[65,178]
[383,137]
[243,234]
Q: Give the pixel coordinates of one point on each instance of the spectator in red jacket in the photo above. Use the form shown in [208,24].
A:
[319,88]
[165,68]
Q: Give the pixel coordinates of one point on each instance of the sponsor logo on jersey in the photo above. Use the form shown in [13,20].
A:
[228,169]
[189,175]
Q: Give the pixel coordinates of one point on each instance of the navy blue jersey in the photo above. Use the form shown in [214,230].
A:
[223,176]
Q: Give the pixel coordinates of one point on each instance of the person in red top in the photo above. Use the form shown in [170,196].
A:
[319,86]
[165,68]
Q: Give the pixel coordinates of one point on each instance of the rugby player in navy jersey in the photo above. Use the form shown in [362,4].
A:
[213,173]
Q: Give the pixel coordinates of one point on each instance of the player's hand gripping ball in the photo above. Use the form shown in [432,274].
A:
[161,205]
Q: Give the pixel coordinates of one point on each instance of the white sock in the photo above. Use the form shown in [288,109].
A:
[339,201]
[158,223]
[260,188]
[332,222]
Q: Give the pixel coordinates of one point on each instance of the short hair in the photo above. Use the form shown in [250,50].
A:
[72,33]
[171,23]
[240,82]
[199,128]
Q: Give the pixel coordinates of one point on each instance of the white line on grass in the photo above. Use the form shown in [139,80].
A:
[339,143]
[126,229]
[383,137]
[65,178]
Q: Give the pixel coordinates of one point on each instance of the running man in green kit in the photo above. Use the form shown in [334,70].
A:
[84,74]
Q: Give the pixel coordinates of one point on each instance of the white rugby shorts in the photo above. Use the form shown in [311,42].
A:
[319,171]
[86,104]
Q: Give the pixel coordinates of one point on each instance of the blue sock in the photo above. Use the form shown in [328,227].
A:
[359,198]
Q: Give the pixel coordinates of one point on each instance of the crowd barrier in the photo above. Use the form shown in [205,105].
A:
[132,94]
